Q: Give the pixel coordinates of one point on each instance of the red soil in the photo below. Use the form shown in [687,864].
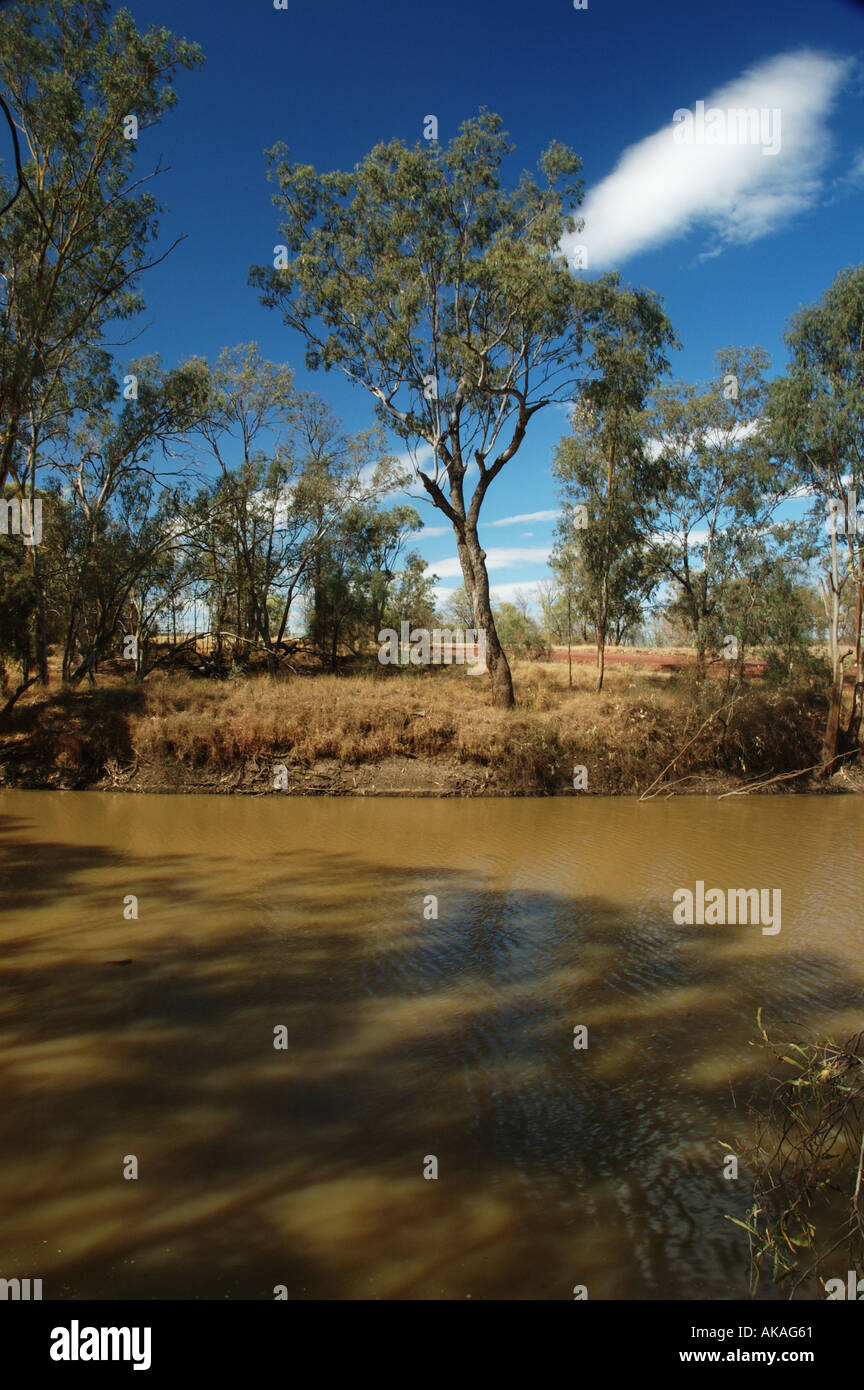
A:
[656,661]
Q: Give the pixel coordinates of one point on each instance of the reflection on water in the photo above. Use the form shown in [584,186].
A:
[407,1036]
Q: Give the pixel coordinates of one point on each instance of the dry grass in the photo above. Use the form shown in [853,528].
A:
[363,718]
[625,736]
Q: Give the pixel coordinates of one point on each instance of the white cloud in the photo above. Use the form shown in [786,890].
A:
[742,430]
[745,429]
[446,569]
[497,558]
[410,459]
[423,457]
[660,189]
[506,593]
[550,515]
[499,593]
[698,536]
[441,593]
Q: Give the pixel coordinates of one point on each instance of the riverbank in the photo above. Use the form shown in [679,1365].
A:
[417,733]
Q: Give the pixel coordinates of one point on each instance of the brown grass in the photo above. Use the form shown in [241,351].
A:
[363,718]
[624,737]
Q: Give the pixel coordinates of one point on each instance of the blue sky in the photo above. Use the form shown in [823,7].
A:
[733,240]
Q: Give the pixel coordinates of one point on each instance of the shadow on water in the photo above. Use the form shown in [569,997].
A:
[406,1038]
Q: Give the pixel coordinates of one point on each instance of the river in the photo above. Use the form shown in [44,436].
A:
[408,1037]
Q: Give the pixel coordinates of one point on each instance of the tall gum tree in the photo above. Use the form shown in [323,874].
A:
[73,243]
[115,537]
[293,479]
[444,294]
[817,417]
[602,458]
[78,215]
[711,489]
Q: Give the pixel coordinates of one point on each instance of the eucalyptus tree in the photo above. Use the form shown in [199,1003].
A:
[379,537]
[457,609]
[817,413]
[412,594]
[160,590]
[711,488]
[441,290]
[121,510]
[17,613]
[354,585]
[766,607]
[600,465]
[557,599]
[287,475]
[82,86]
[520,632]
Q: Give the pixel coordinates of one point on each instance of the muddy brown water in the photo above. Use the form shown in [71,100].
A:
[408,1037]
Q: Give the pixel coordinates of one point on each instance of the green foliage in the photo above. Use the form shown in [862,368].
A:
[519,632]
[601,562]
[419,261]
[457,610]
[817,408]
[767,606]
[816,414]
[357,589]
[707,490]
[17,607]
[78,235]
[412,595]
[283,519]
[446,296]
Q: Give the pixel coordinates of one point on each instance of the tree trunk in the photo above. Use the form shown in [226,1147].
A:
[853,728]
[602,632]
[467,572]
[12,413]
[831,737]
[601,659]
[42,633]
[831,599]
[473,560]
[16,695]
[69,647]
